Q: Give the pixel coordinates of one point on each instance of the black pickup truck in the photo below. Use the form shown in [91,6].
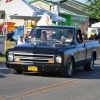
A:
[53,49]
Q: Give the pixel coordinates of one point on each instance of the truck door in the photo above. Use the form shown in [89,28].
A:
[81,49]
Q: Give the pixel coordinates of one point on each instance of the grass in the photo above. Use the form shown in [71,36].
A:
[9,44]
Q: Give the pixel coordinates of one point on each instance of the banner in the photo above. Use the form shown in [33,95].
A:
[1,43]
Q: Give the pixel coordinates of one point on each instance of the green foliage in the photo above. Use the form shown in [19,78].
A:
[92,9]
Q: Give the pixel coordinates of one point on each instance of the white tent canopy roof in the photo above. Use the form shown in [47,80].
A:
[22,8]
[96,24]
[18,7]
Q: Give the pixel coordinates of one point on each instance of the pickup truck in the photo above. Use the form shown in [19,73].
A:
[50,52]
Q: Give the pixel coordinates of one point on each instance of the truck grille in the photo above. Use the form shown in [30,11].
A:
[33,58]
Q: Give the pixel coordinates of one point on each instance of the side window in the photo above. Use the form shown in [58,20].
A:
[78,37]
[60,33]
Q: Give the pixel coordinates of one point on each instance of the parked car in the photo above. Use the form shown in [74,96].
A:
[92,31]
[53,49]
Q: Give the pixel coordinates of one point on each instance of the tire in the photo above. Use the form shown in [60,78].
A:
[90,65]
[15,71]
[68,71]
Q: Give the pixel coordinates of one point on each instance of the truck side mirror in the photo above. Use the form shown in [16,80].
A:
[84,44]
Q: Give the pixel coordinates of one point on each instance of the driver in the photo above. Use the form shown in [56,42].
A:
[70,36]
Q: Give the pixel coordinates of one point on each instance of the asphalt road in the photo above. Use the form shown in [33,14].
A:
[82,85]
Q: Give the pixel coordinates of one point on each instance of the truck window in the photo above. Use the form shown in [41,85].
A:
[52,36]
[78,37]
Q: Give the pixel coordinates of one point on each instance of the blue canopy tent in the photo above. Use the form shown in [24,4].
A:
[18,32]
[53,16]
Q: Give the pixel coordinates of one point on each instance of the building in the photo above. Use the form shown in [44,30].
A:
[69,6]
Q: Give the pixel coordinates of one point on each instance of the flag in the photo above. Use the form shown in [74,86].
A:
[8,1]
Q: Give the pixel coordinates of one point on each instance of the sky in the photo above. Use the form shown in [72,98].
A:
[82,1]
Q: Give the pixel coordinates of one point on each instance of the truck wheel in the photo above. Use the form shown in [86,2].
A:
[90,65]
[15,71]
[68,71]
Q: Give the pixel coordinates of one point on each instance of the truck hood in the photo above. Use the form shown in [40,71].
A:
[39,48]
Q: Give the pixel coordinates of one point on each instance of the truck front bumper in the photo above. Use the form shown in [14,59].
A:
[36,67]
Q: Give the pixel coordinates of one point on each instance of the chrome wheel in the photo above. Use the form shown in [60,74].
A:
[92,62]
[70,67]
[68,71]
[89,66]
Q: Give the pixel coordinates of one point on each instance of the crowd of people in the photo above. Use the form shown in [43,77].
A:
[93,37]
[21,39]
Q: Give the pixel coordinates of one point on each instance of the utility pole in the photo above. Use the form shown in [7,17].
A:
[56,6]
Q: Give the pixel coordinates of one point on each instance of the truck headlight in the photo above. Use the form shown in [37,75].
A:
[10,57]
[58,59]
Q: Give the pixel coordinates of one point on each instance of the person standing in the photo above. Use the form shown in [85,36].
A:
[25,38]
[20,40]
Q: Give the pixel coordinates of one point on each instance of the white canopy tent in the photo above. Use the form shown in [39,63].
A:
[96,24]
[21,8]
[18,7]
[39,14]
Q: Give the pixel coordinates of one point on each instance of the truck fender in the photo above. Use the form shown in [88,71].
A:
[94,53]
[72,56]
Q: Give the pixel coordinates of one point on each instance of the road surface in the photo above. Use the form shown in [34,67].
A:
[83,85]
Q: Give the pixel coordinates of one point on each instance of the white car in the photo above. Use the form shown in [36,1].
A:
[92,31]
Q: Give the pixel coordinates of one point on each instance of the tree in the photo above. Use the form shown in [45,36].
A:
[92,9]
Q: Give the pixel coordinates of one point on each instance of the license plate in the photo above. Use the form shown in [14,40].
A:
[32,68]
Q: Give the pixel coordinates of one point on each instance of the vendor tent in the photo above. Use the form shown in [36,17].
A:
[36,18]
[19,7]
[96,24]
[53,16]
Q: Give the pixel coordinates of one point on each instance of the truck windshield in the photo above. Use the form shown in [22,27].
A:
[51,36]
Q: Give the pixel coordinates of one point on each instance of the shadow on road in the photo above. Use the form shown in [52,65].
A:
[5,71]
[78,73]
[2,76]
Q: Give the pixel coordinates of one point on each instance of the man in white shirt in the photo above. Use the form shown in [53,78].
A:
[20,40]
[70,36]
